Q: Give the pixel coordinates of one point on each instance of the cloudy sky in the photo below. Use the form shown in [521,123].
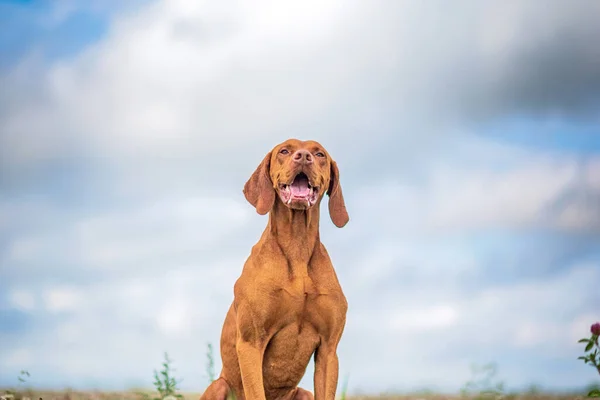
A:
[468,143]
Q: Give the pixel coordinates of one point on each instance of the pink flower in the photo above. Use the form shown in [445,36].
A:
[596,329]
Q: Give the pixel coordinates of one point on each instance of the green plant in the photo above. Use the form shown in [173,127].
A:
[210,368]
[22,378]
[592,357]
[482,386]
[344,392]
[210,364]
[165,383]
[231,396]
[533,390]
[593,390]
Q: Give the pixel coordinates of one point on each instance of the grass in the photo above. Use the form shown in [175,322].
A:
[134,395]
[131,395]
[482,386]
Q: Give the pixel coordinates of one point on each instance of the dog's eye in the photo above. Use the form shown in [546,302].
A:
[319,154]
[284,151]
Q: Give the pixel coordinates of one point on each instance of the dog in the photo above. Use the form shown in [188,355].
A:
[288,303]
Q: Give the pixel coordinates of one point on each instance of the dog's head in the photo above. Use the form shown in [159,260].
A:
[298,174]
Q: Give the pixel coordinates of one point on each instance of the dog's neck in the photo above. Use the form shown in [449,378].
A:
[297,234]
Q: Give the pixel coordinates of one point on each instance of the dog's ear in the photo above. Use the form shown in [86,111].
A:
[337,207]
[258,190]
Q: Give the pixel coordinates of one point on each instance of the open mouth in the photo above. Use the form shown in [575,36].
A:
[299,192]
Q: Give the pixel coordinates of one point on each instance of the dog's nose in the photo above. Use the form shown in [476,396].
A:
[303,157]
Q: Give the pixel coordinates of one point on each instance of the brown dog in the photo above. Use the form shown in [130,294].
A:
[288,303]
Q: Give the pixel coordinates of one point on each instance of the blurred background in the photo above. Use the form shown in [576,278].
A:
[468,140]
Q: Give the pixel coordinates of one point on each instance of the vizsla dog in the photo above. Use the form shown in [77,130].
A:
[288,303]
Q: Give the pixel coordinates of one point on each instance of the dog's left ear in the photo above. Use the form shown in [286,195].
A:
[337,207]
[258,190]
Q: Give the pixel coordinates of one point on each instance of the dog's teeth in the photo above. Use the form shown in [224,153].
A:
[289,201]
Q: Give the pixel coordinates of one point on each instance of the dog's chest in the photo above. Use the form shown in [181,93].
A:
[305,301]
[298,290]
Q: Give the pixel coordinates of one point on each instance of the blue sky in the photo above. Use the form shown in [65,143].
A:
[469,153]
[55,31]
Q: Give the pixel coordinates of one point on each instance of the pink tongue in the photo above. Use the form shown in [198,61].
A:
[299,187]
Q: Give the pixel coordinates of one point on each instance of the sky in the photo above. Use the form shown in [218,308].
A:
[468,142]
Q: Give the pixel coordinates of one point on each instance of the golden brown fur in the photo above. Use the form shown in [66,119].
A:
[288,303]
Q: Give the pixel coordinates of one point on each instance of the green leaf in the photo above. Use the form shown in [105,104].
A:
[589,346]
[583,340]
[594,393]
[593,356]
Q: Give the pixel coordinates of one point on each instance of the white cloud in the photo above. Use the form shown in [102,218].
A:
[530,190]
[22,299]
[544,310]
[70,333]
[485,198]
[167,82]
[408,328]
[173,318]
[433,318]
[62,299]
[122,239]
[16,358]
[175,80]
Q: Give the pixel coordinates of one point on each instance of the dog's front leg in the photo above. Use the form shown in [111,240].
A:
[326,371]
[333,310]
[250,347]
[250,356]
